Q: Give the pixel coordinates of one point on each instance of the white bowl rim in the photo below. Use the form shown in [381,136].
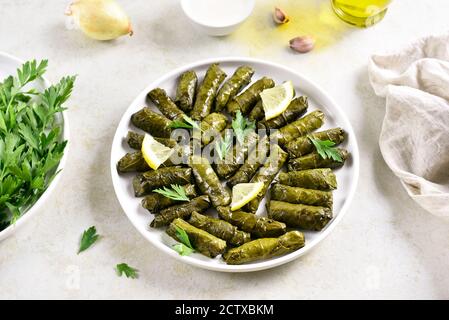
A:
[265,264]
[66,136]
[216,26]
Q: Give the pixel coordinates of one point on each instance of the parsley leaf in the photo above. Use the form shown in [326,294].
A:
[176,192]
[222,147]
[129,272]
[188,123]
[89,237]
[242,127]
[185,247]
[325,149]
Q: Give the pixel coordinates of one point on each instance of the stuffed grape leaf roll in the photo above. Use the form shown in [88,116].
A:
[182,211]
[295,109]
[282,192]
[219,228]
[300,127]
[134,140]
[260,227]
[299,215]
[265,248]
[207,92]
[240,78]
[134,162]
[248,98]
[208,182]
[314,160]
[257,113]
[212,125]
[185,91]
[266,174]
[154,202]
[302,145]
[202,241]
[165,104]
[319,179]
[154,123]
[145,182]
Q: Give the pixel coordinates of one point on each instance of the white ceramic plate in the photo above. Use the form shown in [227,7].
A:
[8,66]
[347,176]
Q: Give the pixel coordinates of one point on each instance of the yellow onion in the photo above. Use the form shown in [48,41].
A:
[100,19]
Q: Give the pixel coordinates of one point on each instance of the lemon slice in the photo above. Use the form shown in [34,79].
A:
[243,193]
[276,100]
[154,153]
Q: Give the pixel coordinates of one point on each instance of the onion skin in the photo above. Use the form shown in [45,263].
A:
[100,19]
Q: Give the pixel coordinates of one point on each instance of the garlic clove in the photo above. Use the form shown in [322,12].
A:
[302,44]
[100,19]
[279,16]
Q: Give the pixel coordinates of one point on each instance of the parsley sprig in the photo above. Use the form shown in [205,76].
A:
[175,192]
[222,147]
[325,149]
[184,248]
[188,123]
[88,238]
[242,127]
[124,269]
[30,144]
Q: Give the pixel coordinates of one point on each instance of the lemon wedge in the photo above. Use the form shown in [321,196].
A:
[276,100]
[154,153]
[243,193]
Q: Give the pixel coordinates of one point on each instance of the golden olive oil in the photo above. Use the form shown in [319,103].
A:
[362,13]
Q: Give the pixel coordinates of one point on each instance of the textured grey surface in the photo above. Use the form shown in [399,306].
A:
[385,247]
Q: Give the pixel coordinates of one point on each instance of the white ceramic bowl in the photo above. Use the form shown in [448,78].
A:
[8,66]
[347,176]
[215,28]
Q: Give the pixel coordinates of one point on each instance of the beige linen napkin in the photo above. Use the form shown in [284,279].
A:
[415,133]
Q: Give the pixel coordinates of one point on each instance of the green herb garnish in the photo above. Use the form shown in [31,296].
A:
[128,271]
[30,144]
[188,123]
[89,237]
[326,150]
[176,192]
[242,127]
[184,248]
[222,147]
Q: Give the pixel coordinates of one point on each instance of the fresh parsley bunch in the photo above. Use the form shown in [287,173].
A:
[30,144]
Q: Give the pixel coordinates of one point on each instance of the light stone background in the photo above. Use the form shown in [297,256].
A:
[385,247]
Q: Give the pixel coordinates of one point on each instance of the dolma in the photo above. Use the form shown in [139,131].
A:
[299,215]
[310,197]
[208,182]
[154,202]
[257,113]
[132,162]
[241,77]
[134,140]
[165,104]
[259,227]
[155,124]
[319,179]
[229,165]
[212,125]
[253,162]
[182,211]
[205,96]
[185,91]
[203,242]
[300,127]
[314,160]
[248,98]
[266,174]
[219,228]
[295,109]
[302,145]
[265,248]
[145,182]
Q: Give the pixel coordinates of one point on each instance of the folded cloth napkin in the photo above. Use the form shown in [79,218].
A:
[415,133]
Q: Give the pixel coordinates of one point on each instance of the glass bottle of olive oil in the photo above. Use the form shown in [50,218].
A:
[362,13]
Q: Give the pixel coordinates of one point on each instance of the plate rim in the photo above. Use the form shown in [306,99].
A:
[257,266]
[62,163]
